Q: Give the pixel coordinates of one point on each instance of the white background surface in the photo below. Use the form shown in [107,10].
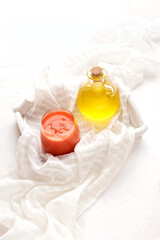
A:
[37,33]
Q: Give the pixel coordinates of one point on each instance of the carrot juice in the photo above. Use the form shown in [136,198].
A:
[59,132]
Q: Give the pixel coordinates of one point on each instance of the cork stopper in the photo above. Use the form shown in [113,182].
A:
[96,71]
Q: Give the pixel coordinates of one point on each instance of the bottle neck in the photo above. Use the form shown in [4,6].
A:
[97,78]
[97,86]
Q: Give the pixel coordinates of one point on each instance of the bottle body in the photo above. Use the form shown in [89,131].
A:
[98,100]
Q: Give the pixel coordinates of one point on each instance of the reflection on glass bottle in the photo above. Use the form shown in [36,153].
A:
[98,100]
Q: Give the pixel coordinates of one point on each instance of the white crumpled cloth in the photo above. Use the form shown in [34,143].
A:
[47,194]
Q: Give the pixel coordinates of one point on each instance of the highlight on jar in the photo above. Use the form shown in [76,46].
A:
[59,132]
[98,100]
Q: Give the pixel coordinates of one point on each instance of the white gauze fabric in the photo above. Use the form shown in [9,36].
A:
[47,194]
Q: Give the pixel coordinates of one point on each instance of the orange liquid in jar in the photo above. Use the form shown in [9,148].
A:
[59,132]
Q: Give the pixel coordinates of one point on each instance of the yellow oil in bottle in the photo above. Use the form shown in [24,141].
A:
[98,100]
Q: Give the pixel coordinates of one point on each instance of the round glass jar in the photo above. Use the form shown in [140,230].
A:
[59,132]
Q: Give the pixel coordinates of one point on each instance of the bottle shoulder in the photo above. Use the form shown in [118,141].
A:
[106,89]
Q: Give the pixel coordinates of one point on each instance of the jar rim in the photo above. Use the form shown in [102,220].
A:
[56,110]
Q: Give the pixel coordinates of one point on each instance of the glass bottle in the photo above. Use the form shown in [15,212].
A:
[98,100]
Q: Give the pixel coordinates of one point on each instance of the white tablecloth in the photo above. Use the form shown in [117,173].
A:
[130,207]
